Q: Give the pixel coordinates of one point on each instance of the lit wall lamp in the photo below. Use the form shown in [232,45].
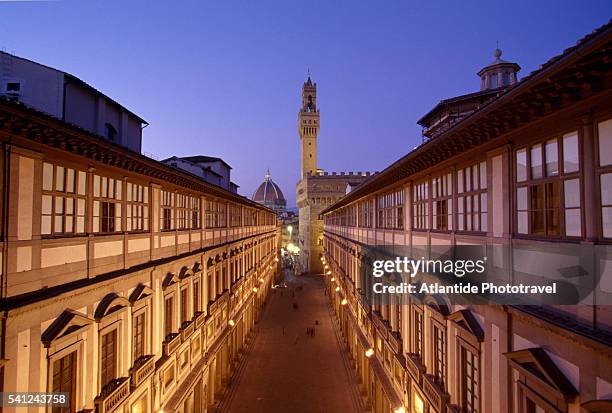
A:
[344,301]
[232,323]
[337,289]
[369,352]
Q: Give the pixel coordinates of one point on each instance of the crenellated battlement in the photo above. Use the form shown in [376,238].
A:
[341,173]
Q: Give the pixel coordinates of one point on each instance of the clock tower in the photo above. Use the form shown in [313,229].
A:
[308,127]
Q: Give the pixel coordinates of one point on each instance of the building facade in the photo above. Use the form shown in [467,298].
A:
[66,97]
[531,167]
[130,284]
[210,168]
[316,189]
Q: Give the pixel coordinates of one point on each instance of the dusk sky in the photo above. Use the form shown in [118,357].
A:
[223,78]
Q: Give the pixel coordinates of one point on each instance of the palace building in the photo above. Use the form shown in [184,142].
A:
[131,284]
[520,164]
[316,189]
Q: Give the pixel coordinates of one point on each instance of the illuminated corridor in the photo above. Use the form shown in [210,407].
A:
[290,371]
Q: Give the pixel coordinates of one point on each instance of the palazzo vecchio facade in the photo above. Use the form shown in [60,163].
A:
[520,164]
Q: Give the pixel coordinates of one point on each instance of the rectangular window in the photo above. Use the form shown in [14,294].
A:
[391,210]
[606,204]
[548,199]
[604,135]
[168,314]
[108,358]
[107,204]
[184,306]
[420,206]
[137,207]
[139,336]
[64,380]
[441,188]
[195,212]
[418,333]
[222,212]
[167,210]
[472,198]
[235,212]
[250,217]
[182,211]
[63,200]
[439,352]
[196,297]
[469,381]
[365,214]
[216,214]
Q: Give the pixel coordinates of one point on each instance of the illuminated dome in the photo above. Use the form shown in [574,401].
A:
[270,195]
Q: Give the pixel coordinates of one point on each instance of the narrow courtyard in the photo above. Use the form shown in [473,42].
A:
[289,370]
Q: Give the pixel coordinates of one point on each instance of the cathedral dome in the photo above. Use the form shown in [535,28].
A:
[270,195]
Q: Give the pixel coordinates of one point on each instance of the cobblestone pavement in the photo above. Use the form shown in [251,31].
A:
[289,371]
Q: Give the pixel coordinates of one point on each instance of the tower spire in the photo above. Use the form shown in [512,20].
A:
[308,126]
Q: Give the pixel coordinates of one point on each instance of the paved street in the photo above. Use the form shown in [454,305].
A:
[289,371]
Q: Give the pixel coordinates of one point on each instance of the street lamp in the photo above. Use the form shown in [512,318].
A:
[369,352]
[232,323]
[337,289]
[344,301]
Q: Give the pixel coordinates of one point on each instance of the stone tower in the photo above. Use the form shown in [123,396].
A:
[308,127]
[317,189]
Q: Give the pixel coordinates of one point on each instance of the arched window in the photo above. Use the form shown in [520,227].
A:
[111,132]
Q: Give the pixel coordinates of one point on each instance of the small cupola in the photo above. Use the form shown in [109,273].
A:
[499,73]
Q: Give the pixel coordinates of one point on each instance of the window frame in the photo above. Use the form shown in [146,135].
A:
[104,197]
[420,205]
[472,199]
[77,197]
[166,210]
[600,172]
[113,369]
[545,182]
[442,194]
[137,199]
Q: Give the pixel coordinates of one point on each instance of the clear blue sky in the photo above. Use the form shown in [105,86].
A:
[223,78]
